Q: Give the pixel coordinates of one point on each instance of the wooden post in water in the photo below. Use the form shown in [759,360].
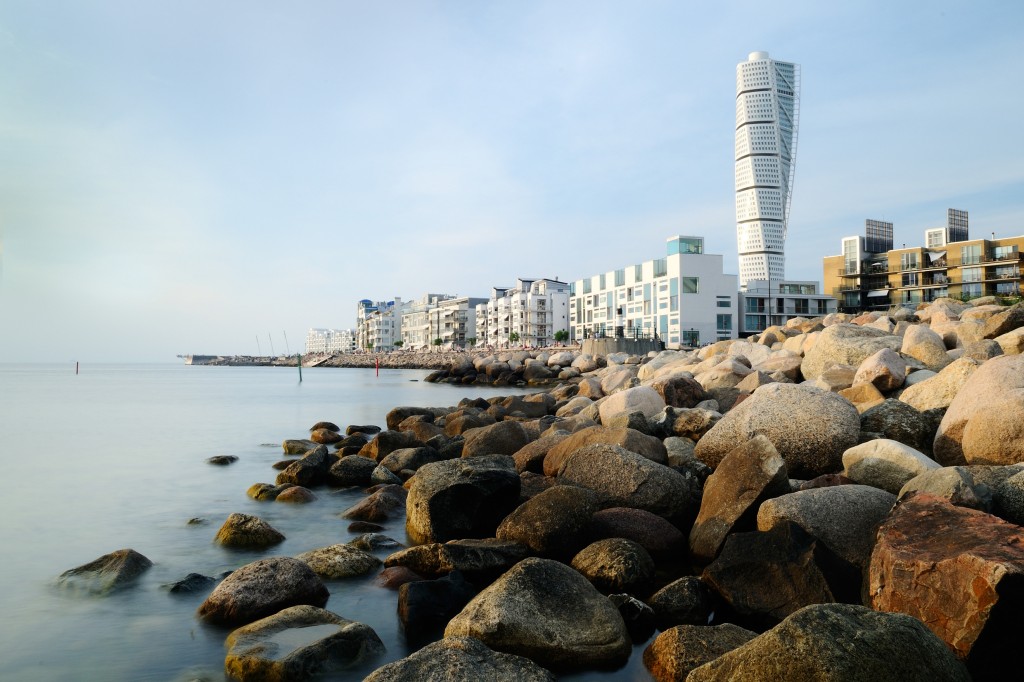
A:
[376,365]
[76,367]
[299,356]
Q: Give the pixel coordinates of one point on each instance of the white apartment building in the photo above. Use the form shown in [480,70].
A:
[330,341]
[767,122]
[379,324]
[449,318]
[528,314]
[684,299]
[761,307]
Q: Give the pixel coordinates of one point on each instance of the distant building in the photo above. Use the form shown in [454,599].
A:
[527,314]
[767,122]
[330,341]
[761,307]
[950,264]
[379,324]
[449,318]
[683,299]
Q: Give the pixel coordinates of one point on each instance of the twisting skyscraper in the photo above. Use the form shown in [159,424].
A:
[767,118]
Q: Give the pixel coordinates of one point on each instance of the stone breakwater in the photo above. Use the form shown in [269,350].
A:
[836,499]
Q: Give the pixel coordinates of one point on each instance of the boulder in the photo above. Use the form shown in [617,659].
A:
[409,459]
[618,378]
[693,423]
[531,456]
[265,492]
[191,583]
[502,438]
[836,378]
[339,561]
[922,343]
[985,422]
[863,396]
[659,537]
[958,570]
[296,446]
[297,643]
[296,494]
[637,399]
[1003,322]
[465,420]
[683,601]
[747,476]
[107,573]
[247,531]
[838,643]
[386,503]
[648,446]
[809,427]
[262,588]
[679,391]
[956,485]
[373,541]
[679,650]
[885,464]
[899,421]
[461,498]
[399,414]
[625,479]
[426,606]
[352,470]
[885,369]
[940,390]
[766,576]
[548,612]
[386,442]
[616,565]
[553,522]
[222,460]
[325,436]
[480,560]
[311,470]
[846,344]
[462,658]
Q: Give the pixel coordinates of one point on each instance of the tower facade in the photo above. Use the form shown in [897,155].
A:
[767,119]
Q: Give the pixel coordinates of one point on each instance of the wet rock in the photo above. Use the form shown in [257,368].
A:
[616,565]
[838,643]
[426,606]
[373,542]
[746,477]
[958,570]
[296,495]
[625,479]
[297,446]
[352,470]
[193,582]
[638,616]
[464,658]
[329,426]
[766,576]
[394,577]
[681,649]
[502,438]
[548,612]
[325,436]
[296,644]
[553,522]
[247,531]
[480,560]
[531,456]
[461,498]
[885,464]
[683,601]
[809,427]
[364,527]
[264,492]
[262,588]
[400,414]
[337,562]
[386,442]
[659,537]
[222,460]
[384,504]
[311,470]
[409,458]
[381,476]
[107,573]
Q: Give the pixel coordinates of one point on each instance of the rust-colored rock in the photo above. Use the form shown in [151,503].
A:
[960,571]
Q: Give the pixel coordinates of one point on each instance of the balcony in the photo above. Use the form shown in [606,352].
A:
[1006,258]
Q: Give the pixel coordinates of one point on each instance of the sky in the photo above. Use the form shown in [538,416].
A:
[218,177]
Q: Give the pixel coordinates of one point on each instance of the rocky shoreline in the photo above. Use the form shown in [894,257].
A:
[837,499]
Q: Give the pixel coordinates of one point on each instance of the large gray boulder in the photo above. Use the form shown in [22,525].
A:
[845,344]
[940,390]
[649,446]
[502,438]
[637,399]
[461,498]
[109,572]
[809,427]
[461,658]
[296,644]
[248,531]
[839,643]
[625,479]
[262,588]
[339,561]
[921,343]
[552,523]
[885,464]
[481,559]
[548,612]
[985,422]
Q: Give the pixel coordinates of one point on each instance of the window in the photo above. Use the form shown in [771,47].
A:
[686,245]
[724,303]
[586,286]
[691,285]
[620,278]
[603,283]
[753,323]
[910,279]
[971,290]
[822,306]
[971,275]
[970,255]
[723,323]
[660,267]
[802,306]
[638,273]
[908,261]
[1005,252]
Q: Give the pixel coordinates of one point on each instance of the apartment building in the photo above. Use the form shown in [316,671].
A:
[379,324]
[869,276]
[683,299]
[452,319]
[330,341]
[765,303]
[527,314]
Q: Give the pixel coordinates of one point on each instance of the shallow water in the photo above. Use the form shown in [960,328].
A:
[115,457]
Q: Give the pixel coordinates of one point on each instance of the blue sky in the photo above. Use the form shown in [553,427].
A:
[184,177]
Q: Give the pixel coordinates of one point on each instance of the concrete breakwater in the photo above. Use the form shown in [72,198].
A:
[836,499]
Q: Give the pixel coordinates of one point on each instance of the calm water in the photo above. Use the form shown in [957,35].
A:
[115,457]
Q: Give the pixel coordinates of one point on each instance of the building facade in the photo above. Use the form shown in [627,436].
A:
[527,314]
[450,319]
[762,307]
[767,122]
[949,264]
[379,324]
[330,341]
[683,299]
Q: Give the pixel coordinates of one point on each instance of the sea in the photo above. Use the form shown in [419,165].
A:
[114,456]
